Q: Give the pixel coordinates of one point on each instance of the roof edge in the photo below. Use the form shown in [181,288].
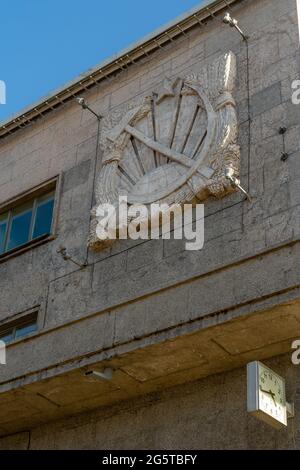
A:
[113,64]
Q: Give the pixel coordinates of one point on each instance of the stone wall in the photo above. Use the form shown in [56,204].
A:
[140,288]
[64,143]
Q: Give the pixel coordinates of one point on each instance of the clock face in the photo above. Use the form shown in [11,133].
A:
[271,393]
[266,394]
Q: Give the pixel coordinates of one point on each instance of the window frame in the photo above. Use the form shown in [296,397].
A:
[54,184]
[13,331]
[11,326]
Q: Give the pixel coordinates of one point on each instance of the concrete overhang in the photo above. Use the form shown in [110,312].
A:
[164,359]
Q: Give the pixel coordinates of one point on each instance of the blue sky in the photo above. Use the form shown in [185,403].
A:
[46,43]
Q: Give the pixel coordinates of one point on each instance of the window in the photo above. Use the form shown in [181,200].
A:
[20,329]
[26,222]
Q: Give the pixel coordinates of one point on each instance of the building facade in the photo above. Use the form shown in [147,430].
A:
[175,328]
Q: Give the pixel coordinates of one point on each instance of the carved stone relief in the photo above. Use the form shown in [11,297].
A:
[172,146]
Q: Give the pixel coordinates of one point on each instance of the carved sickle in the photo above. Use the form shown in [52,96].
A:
[194,166]
[167,152]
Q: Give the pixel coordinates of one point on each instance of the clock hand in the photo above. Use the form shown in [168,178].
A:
[265,391]
[269,392]
[273,396]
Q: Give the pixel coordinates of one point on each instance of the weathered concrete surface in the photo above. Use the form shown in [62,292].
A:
[242,284]
[206,414]
[137,294]
[150,363]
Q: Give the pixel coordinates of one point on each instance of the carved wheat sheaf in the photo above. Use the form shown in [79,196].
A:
[174,145]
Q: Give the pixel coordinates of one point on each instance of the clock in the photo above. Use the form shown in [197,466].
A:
[266,395]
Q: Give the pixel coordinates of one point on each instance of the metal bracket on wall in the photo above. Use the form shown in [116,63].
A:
[229,173]
[233,23]
[290,408]
[284,154]
[84,104]
[106,374]
[65,255]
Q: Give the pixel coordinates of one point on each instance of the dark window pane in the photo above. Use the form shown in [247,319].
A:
[3,224]
[25,329]
[7,336]
[43,218]
[20,226]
